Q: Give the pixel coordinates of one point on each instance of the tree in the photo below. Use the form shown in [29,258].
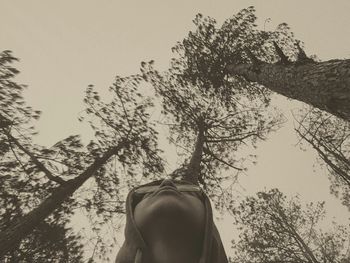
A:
[53,175]
[209,50]
[211,53]
[276,229]
[324,85]
[19,189]
[48,242]
[209,126]
[274,59]
[330,137]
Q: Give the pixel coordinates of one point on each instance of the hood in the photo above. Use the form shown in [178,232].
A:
[133,246]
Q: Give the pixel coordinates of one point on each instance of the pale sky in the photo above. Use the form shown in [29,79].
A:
[66,45]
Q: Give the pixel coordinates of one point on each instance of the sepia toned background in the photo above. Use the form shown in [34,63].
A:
[64,46]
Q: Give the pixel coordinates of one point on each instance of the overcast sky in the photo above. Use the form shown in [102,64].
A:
[66,45]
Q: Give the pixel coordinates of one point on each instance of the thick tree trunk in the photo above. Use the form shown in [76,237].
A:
[24,226]
[324,85]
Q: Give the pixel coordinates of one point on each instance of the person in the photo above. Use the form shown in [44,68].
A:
[170,221]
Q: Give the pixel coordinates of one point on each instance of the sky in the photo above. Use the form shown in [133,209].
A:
[64,46]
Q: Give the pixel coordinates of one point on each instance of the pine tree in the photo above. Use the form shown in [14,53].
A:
[38,183]
[329,136]
[276,229]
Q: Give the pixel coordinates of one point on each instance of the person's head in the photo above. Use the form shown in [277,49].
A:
[170,221]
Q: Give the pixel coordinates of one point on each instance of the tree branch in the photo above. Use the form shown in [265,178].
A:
[207,151]
[283,57]
[38,164]
[302,57]
[232,139]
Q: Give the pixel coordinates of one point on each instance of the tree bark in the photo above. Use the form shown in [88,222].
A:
[10,237]
[193,170]
[324,85]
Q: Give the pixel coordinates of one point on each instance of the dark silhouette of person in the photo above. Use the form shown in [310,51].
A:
[170,221]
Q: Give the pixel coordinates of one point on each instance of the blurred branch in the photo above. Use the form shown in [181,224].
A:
[230,139]
[38,164]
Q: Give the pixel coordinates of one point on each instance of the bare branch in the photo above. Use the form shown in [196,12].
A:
[302,57]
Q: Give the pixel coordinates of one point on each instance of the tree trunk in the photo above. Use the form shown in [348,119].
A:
[306,251]
[324,85]
[323,155]
[10,237]
[193,170]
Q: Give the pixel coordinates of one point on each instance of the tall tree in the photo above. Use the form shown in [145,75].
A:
[330,137]
[121,129]
[210,52]
[226,112]
[19,188]
[324,85]
[274,59]
[276,229]
[211,127]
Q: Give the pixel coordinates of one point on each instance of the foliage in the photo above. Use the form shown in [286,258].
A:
[330,137]
[197,94]
[125,117]
[227,126]
[121,116]
[206,52]
[276,229]
[22,185]
[14,110]
[50,242]
[30,173]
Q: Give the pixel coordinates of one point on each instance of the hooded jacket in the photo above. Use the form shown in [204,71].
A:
[134,245]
